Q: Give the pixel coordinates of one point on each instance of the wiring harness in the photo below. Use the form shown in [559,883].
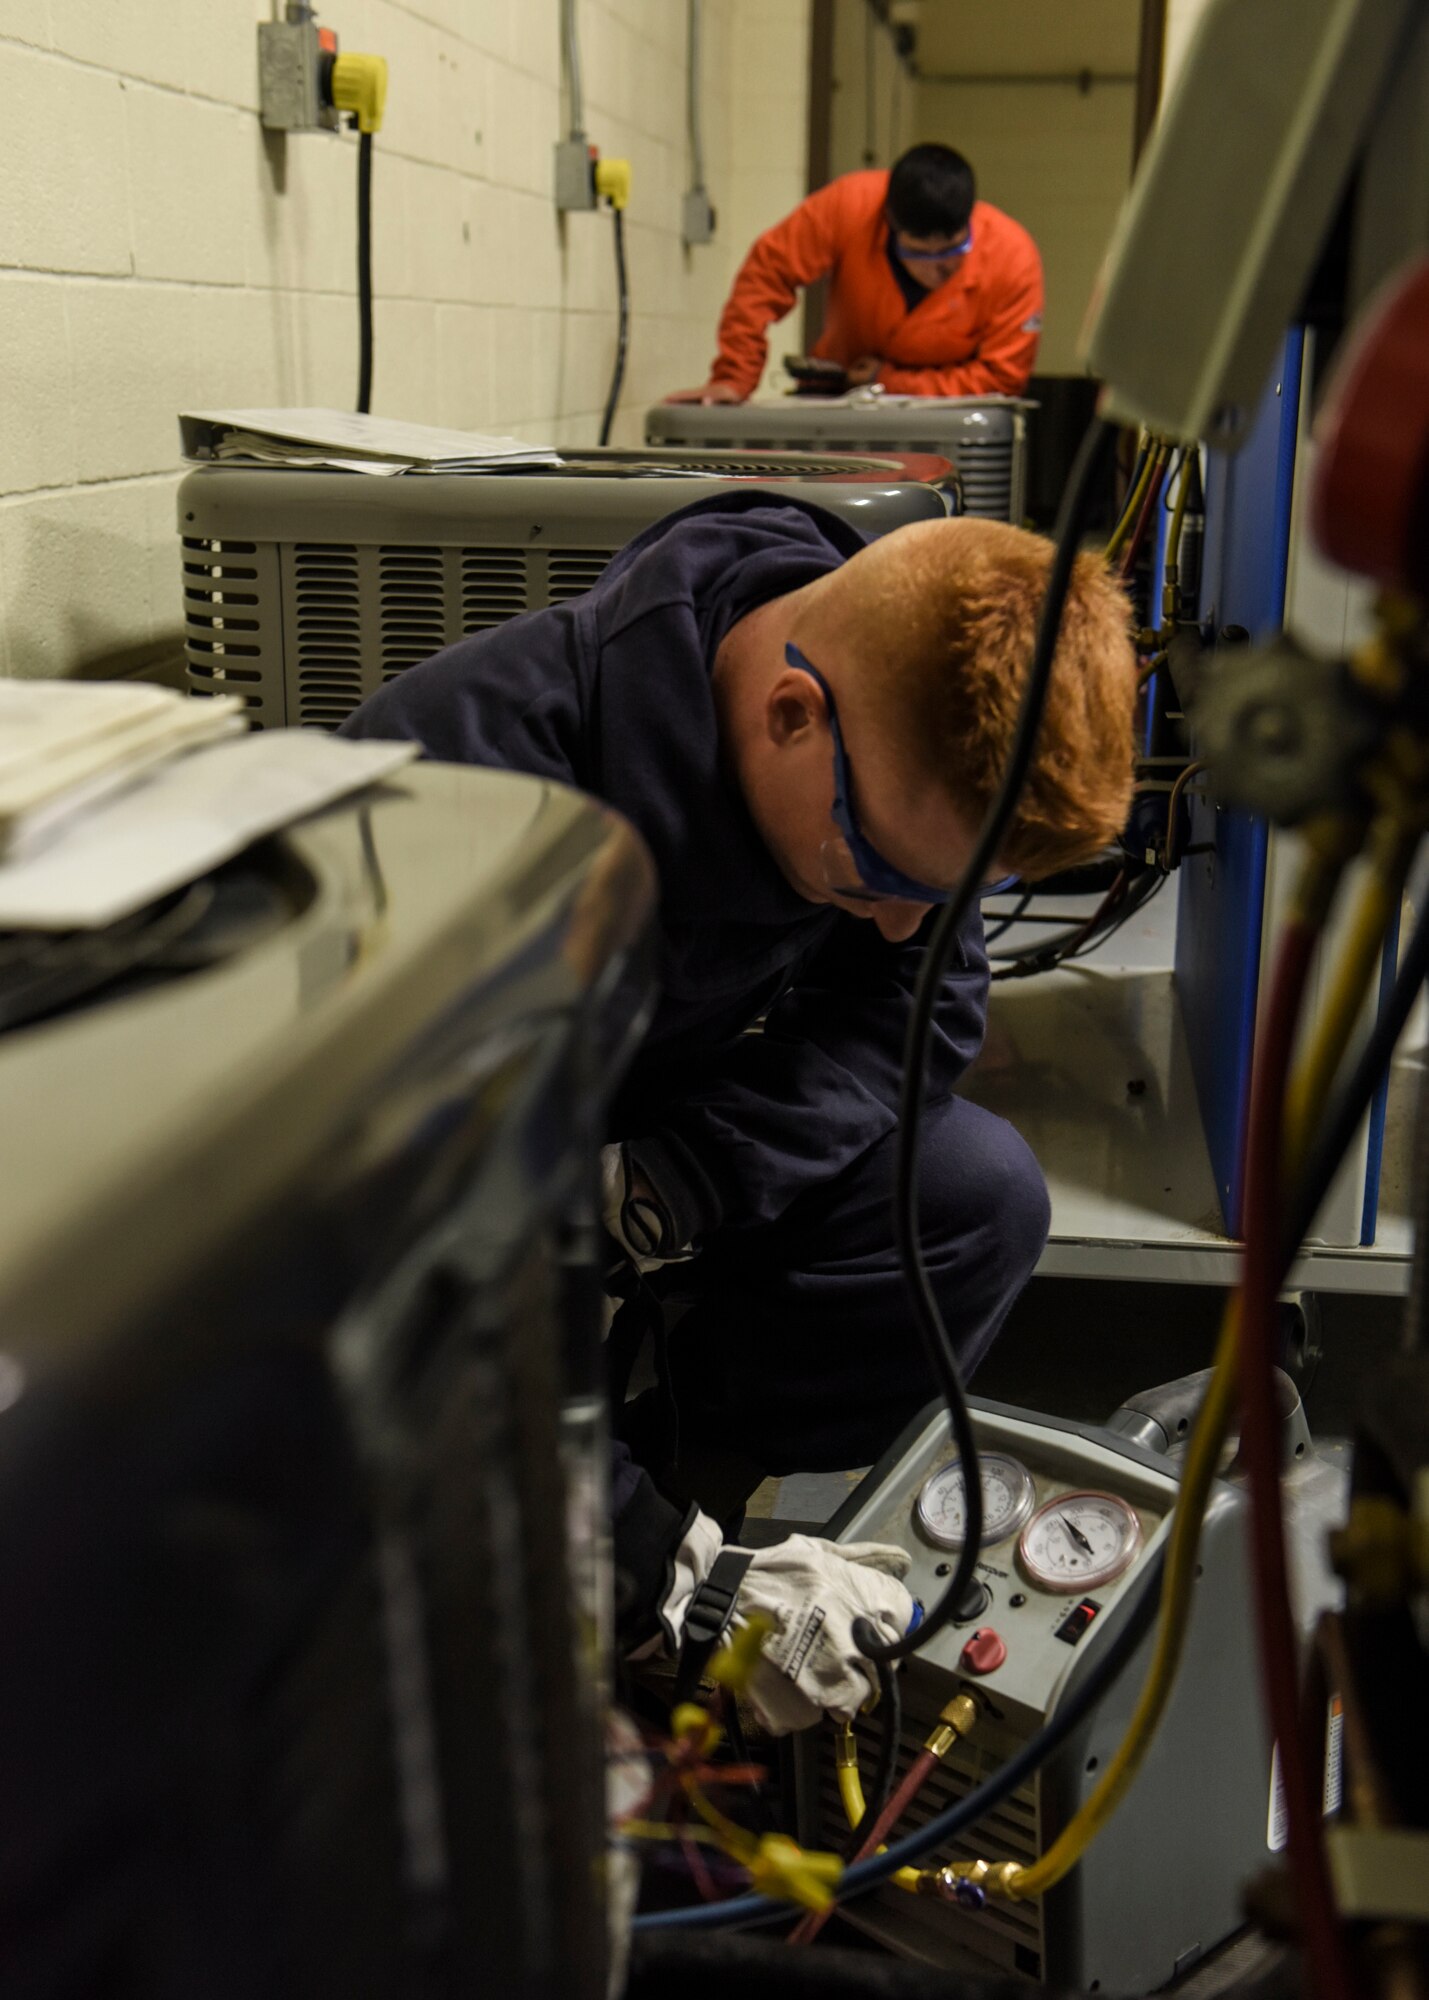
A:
[1146,854]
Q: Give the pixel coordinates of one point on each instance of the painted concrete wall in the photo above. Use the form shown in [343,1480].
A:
[1059,161]
[158,250]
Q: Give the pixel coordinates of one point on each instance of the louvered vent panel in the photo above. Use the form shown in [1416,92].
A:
[986,444]
[571,571]
[986,472]
[791,465]
[229,630]
[329,632]
[1005,1934]
[411,593]
[493,587]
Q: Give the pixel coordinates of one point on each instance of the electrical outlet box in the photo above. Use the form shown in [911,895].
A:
[293,59]
[697,218]
[575,174]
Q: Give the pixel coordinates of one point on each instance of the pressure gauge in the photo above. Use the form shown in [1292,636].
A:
[1079,1541]
[1006,1500]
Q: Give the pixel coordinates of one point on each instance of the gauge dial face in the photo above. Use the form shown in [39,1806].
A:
[1079,1540]
[1006,1500]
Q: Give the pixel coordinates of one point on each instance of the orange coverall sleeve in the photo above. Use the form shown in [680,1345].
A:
[796,251]
[1006,352]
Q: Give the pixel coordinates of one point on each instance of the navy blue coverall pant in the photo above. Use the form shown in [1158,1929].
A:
[798,1351]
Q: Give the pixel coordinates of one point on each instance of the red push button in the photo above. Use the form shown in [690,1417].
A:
[984,1653]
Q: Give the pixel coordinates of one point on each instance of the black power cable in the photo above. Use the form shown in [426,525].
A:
[937,1341]
[622,340]
[1076,943]
[1129,909]
[364,273]
[1017,916]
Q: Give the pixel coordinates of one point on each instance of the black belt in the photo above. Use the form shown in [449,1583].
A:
[708,1618]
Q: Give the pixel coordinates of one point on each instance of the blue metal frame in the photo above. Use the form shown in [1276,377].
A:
[1369,1215]
[1222,893]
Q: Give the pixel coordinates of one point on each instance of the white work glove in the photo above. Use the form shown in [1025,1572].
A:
[814,1591]
[811,1592]
[634,1214]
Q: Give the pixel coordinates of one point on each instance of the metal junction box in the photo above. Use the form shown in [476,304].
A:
[290,60]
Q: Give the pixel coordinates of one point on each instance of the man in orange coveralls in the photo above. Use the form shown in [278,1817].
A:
[932,292]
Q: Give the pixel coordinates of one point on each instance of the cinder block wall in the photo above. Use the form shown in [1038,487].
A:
[158,250]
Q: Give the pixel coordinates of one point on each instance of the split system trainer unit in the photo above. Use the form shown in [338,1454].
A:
[984,436]
[304,592]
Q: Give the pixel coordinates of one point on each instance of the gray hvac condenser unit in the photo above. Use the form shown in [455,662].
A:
[984,436]
[305,591]
[301,1428]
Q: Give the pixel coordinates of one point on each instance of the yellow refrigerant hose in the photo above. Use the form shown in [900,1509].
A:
[1378,901]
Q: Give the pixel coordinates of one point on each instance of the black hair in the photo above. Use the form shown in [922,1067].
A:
[931,191]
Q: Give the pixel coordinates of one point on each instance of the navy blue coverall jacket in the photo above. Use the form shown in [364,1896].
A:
[773,1150]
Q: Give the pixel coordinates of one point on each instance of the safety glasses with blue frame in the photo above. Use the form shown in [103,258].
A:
[911,253]
[853,867]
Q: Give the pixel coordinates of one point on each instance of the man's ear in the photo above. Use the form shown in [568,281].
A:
[793,707]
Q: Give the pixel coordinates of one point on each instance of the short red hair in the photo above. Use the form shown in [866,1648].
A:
[942,617]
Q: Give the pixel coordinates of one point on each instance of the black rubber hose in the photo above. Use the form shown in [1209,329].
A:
[1071,944]
[1019,910]
[622,339]
[937,1341]
[1356,1097]
[364,273]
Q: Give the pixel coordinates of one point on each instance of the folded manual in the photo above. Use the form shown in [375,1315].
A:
[342,440]
[180,819]
[64,745]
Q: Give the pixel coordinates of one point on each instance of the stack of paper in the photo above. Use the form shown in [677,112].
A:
[343,441]
[181,819]
[66,744]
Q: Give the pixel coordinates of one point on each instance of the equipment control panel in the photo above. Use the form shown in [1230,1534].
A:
[1070,1516]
